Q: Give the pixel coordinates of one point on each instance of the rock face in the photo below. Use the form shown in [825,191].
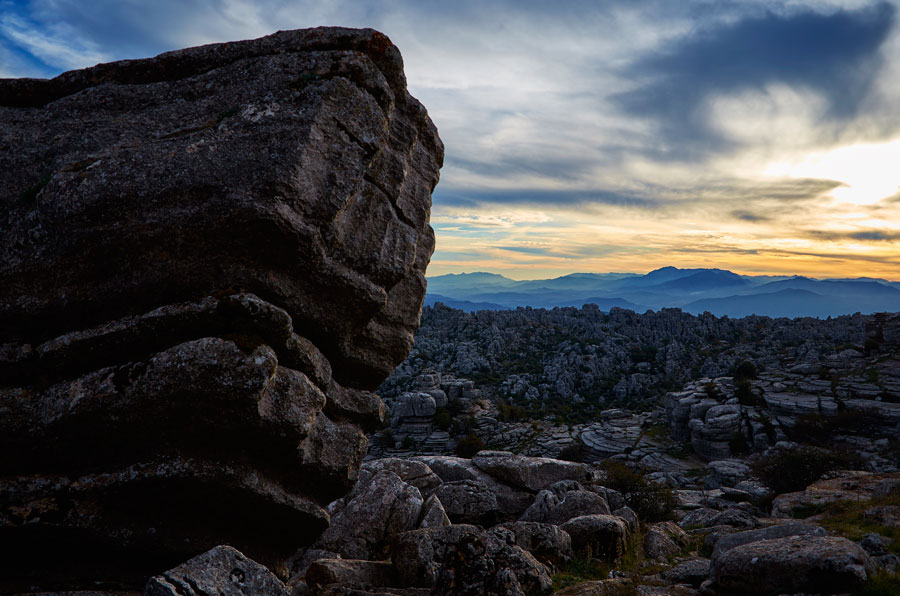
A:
[209,260]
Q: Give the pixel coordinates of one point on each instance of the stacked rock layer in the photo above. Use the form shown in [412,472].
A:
[209,260]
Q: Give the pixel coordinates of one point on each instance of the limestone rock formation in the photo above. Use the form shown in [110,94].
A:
[222,570]
[811,564]
[209,260]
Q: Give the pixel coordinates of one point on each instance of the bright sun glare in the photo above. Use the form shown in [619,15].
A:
[869,172]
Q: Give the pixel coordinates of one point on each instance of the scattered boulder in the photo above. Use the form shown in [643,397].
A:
[464,560]
[549,544]
[529,473]
[386,506]
[349,573]
[810,564]
[468,502]
[222,570]
[605,535]
[727,542]
[558,505]
[663,540]
[433,514]
[692,572]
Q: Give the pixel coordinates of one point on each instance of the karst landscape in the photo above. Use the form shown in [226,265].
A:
[219,374]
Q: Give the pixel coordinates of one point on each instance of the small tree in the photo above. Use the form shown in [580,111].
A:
[650,500]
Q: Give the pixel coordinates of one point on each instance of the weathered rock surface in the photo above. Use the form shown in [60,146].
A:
[378,510]
[209,260]
[464,560]
[730,541]
[549,545]
[605,535]
[222,570]
[350,573]
[529,473]
[558,505]
[810,564]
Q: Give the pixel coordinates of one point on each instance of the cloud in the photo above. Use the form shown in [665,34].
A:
[860,236]
[50,46]
[748,216]
[836,55]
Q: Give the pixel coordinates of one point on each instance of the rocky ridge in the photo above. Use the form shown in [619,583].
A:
[210,260]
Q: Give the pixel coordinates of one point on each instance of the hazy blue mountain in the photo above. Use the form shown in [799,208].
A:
[831,287]
[468,281]
[718,291]
[705,280]
[574,281]
[792,302]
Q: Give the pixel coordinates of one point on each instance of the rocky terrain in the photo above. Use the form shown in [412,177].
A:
[209,260]
[212,258]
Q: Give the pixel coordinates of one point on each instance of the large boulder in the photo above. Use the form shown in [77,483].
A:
[222,570]
[558,505]
[730,541]
[363,528]
[529,473]
[605,535]
[209,261]
[468,502]
[806,563]
[511,501]
[549,545]
[465,560]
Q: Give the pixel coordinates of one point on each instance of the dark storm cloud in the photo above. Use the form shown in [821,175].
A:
[835,55]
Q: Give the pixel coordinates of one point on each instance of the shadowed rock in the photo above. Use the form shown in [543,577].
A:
[209,260]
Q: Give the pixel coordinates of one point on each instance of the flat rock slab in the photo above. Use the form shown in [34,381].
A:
[809,564]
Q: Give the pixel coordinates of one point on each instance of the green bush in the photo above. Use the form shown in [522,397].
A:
[743,390]
[574,452]
[443,419]
[469,446]
[745,371]
[794,470]
[738,444]
[819,429]
[650,500]
[409,442]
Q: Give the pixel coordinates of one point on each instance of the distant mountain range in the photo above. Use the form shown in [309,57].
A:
[718,291]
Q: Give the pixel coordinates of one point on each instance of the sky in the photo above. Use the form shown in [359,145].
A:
[594,136]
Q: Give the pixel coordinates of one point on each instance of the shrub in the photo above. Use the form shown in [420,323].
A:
[469,446]
[745,371]
[388,439]
[738,443]
[819,429]
[743,390]
[443,419]
[793,470]
[650,500]
[409,442]
[574,452]
[510,413]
